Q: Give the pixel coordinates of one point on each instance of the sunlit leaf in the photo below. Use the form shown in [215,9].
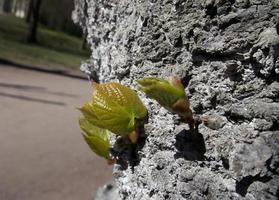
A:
[114,107]
[97,138]
[162,91]
[170,94]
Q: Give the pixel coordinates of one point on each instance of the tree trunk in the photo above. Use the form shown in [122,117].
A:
[32,31]
[15,6]
[227,54]
[7,6]
[29,11]
[1,6]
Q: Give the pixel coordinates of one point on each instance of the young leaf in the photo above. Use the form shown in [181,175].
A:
[170,94]
[96,138]
[114,107]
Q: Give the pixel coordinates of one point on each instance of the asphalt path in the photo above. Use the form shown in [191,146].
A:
[42,153]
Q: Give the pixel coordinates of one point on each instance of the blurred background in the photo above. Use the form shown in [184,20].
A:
[42,153]
[41,32]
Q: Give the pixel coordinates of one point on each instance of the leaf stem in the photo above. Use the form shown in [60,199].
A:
[134,135]
[111,161]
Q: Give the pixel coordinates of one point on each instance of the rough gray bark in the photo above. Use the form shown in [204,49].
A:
[226,53]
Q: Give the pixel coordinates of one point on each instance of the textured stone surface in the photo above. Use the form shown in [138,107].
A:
[226,53]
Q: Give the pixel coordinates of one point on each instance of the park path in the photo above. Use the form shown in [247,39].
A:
[42,153]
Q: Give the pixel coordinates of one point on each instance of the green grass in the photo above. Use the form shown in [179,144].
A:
[55,49]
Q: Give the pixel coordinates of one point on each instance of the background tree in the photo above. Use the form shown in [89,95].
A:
[57,15]
[29,11]
[7,6]
[32,31]
[53,14]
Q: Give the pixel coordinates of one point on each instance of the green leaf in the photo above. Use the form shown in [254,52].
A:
[167,93]
[114,107]
[96,138]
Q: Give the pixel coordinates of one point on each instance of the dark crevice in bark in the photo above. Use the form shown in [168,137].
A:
[186,80]
[178,42]
[234,117]
[275,126]
[225,163]
[243,185]
[199,56]
[228,23]
[190,145]
[211,10]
